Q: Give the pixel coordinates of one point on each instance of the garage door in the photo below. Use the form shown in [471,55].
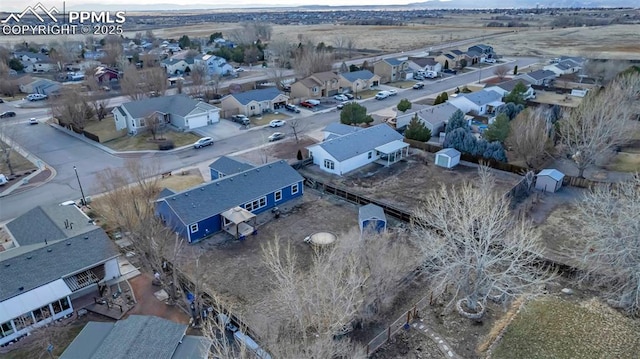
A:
[197,121]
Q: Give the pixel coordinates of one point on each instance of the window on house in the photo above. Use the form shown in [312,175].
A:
[294,189]
[193,228]
[6,329]
[253,107]
[278,196]
[314,89]
[64,303]
[369,155]
[329,164]
[257,204]
[23,321]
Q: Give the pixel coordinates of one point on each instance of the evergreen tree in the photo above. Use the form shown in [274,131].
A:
[416,130]
[517,94]
[404,105]
[456,121]
[498,130]
[438,100]
[354,114]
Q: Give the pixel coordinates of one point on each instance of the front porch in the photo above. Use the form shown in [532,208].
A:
[392,152]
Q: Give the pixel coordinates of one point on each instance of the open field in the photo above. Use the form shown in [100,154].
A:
[557,328]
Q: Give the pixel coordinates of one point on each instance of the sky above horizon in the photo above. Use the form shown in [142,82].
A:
[19,5]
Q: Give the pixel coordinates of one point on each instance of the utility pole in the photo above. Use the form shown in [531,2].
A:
[83,201]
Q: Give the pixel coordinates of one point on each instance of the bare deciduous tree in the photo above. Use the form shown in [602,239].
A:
[98,102]
[351,45]
[604,71]
[71,108]
[131,83]
[501,71]
[6,145]
[472,244]
[279,52]
[309,60]
[529,136]
[610,246]
[600,122]
[155,123]
[156,80]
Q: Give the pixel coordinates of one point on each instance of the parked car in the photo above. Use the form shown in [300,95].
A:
[238,69]
[292,108]
[7,114]
[313,102]
[490,61]
[382,95]
[277,123]
[349,95]
[307,104]
[36,97]
[418,86]
[340,98]
[392,92]
[242,119]
[33,121]
[276,136]
[203,142]
[450,71]
[3,180]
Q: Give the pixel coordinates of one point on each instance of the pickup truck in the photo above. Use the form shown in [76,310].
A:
[242,119]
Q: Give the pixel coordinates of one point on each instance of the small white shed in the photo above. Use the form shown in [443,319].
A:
[447,158]
[549,180]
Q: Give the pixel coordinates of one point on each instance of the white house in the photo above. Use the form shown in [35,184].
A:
[214,64]
[564,66]
[179,111]
[480,102]
[340,154]
[175,66]
[35,62]
[44,268]
[447,157]
[425,64]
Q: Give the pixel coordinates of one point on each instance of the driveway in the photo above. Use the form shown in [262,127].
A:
[222,130]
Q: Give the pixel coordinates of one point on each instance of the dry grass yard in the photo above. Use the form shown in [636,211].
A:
[180,181]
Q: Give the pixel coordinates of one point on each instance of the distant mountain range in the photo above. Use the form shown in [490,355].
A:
[433,4]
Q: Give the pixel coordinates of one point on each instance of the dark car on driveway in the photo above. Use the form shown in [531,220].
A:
[450,71]
[7,114]
[292,108]
[241,119]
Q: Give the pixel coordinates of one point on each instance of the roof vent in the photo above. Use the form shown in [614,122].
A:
[7,265]
[86,237]
[269,166]
[29,257]
[186,194]
[173,198]
[202,188]
[49,250]
[245,175]
[68,243]
[217,183]
[21,289]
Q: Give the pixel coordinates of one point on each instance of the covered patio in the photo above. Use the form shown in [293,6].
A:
[235,221]
[392,152]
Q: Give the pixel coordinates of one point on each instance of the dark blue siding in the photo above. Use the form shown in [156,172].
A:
[206,227]
[170,218]
[214,174]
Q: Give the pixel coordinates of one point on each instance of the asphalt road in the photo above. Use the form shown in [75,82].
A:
[62,151]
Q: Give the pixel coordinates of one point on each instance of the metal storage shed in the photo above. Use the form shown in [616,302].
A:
[549,180]
[447,158]
[372,217]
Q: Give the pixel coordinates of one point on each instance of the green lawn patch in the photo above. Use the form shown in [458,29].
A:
[559,329]
[145,141]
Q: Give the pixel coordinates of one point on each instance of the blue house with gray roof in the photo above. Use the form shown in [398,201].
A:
[226,166]
[254,102]
[231,202]
[340,154]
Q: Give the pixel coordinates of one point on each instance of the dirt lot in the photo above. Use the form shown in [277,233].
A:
[403,183]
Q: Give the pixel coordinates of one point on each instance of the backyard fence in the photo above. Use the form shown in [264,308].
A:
[403,322]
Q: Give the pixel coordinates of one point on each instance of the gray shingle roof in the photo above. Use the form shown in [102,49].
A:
[510,84]
[180,105]
[482,97]
[358,75]
[256,95]
[192,347]
[434,115]
[228,166]
[138,336]
[457,52]
[553,173]
[424,61]
[393,61]
[209,199]
[353,144]
[450,152]
[541,74]
[48,222]
[46,264]
[340,129]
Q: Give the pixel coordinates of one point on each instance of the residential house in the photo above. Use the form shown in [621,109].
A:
[93,55]
[481,103]
[52,256]
[180,111]
[448,61]
[482,49]
[336,129]
[354,149]
[214,65]
[254,102]
[174,66]
[433,117]
[227,166]
[211,207]
[539,77]
[391,69]
[106,74]
[505,88]
[317,85]
[564,67]
[35,62]
[39,85]
[138,336]
[425,64]
[358,81]
[474,57]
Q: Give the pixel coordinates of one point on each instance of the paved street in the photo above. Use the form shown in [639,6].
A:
[62,151]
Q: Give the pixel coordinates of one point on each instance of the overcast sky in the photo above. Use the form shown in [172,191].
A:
[19,5]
